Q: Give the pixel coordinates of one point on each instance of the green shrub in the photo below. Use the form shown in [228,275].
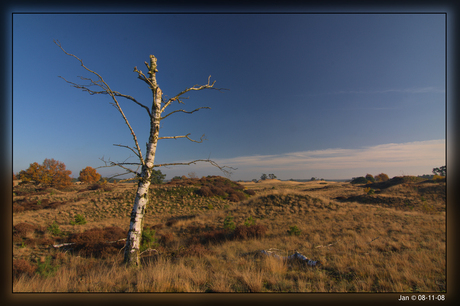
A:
[294,230]
[228,223]
[359,180]
[79,220]
[54,229]
[148,239]
[249,221]
[46,268]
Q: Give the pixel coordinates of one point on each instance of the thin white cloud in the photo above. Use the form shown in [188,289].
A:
[412,90]
[410,155]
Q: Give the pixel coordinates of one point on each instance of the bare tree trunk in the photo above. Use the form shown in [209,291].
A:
[133,242]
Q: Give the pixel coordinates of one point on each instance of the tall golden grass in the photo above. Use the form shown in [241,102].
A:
[362,247]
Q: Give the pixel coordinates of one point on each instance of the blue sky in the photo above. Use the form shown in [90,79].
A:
[331,96]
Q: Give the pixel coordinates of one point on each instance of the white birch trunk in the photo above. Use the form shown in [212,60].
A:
[133,242]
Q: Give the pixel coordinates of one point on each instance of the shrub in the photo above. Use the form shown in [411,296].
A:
[370,178]
[294,230]
[382,177]
[359,180]
[46,268]
[22,229]
[228,223]
[251,231]
[89,175]
[250,192]
[54,229]
[217,191]
[214,236]
[166,239]
[148,239]
[438,178]
[249,221]
[51,173]
[79,220]
[205,192]
[157,177]
[197,250]
[94,242]
[236,196]
[21,266]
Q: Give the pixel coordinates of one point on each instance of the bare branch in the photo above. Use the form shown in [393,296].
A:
[142,77]
[119,145]
[195,87]
[93,92]
[181,110]
[185,136]
[113,164]
[223,168]
[101,83]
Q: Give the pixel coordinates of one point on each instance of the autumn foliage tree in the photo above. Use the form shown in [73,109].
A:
[50,173]
[382,177]
[89,175]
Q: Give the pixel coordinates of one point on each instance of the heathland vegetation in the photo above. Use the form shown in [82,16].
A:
[205,235]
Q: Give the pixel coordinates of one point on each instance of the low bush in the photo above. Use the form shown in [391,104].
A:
[359,180]
[250,192]
[148,239]
[251,231]
[22,229]
[22,266]
[228,223]
[98,242]
[166,239]
[294,231]
[205,192]
[79,220]
[53,228]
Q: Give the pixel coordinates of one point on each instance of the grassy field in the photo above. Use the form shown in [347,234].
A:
[387,237]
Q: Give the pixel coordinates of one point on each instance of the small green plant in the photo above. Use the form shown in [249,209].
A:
[371,191]
[294,231]
[249,221]
[228,223]
[46,268]
[54,229]
[22,245]
[39,202]
[148,239]
[210,207]
[226,206]
[79,220]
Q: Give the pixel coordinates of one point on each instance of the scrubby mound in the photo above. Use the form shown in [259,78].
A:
[215,186]
[397,180]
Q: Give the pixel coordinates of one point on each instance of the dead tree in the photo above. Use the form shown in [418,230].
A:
[155,115]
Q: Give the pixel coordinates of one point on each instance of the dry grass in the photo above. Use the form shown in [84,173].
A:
[363,246]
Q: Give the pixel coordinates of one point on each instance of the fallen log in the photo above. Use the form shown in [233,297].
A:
[66,244]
